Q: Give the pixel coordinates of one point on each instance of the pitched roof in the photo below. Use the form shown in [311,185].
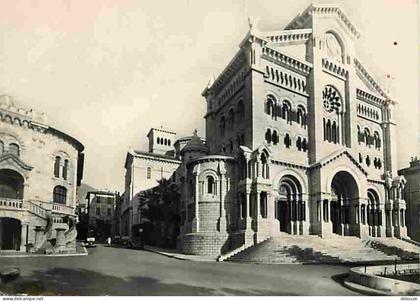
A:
[332,157]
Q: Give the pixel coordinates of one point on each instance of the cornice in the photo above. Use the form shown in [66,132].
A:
[287,61]
[361,71]
[316,9]
[287,36]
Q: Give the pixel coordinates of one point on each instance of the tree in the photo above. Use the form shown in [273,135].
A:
[159,208]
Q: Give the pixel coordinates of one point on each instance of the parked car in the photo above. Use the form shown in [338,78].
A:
[90,242]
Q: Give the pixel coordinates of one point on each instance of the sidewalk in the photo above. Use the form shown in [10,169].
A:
[176,254]
[80,251]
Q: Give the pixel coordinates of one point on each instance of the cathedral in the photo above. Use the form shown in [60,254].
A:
[300,139]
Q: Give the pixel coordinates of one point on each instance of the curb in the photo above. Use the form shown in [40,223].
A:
[176,256]
[164,254]
[85,253]
[363,289]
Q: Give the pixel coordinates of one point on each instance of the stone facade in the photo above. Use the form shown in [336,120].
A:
[143,170]
[301,140]
[40,170]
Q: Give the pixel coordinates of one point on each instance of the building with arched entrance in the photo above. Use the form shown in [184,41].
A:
[40,170]
[300,138]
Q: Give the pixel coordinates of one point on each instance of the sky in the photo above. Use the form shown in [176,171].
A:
[106,71]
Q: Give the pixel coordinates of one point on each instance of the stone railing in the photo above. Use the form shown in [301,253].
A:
[60,208]
[36,209]
[10,203]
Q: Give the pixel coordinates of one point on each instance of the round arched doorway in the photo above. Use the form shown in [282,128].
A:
[290,208]
[345,191]
[11,184]
[10,233]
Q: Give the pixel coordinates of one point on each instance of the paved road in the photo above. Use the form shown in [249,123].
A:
[115,271]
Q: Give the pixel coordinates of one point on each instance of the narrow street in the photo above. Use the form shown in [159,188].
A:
[116,271]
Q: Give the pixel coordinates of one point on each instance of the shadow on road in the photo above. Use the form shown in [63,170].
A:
[80,282]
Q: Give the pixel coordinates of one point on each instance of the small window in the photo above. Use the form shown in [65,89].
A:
[60,195]
[57,167]
[98,200]
[287,141]
[149,173]
[108,211]
[210,185]
[14,149]
[98,211]
[65,169]
[169,142]
[299,143]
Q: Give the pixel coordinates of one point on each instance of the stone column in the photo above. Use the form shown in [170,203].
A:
[23,236]
[271,214]
[60,242]
[390,220]
[248,211]
[222,216]
[39,235]
[196,219]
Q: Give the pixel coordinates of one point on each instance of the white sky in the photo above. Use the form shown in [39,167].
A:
[105,71]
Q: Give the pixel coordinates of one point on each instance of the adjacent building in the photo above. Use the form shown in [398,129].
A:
[101,211]
[412,197]
[40,170]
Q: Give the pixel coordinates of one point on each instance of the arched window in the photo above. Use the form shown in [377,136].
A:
[301,117]
[149,172]
[286,111]
[269,107]
[268,136]
[57,167]
[264,165]
[287,141]
[60,195]
[366,137]
[14,149]
[1,148]
[210,185]
[231,119]
[241,110]
[329,131]
[334,132]
[304,145]
[368,160]
[359,134]
[169,142]
[275,138]
[360,158]
[158,140]
[165,141]
[65,169]
[222,126]
[377,140]
[299,143]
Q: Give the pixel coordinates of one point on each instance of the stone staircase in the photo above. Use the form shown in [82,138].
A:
[393,246]
[306,249]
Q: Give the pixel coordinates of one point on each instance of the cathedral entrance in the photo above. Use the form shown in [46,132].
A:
[290,207]
[10,234]
[344,191]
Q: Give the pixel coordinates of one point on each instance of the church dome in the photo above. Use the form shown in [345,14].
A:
[195,145]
